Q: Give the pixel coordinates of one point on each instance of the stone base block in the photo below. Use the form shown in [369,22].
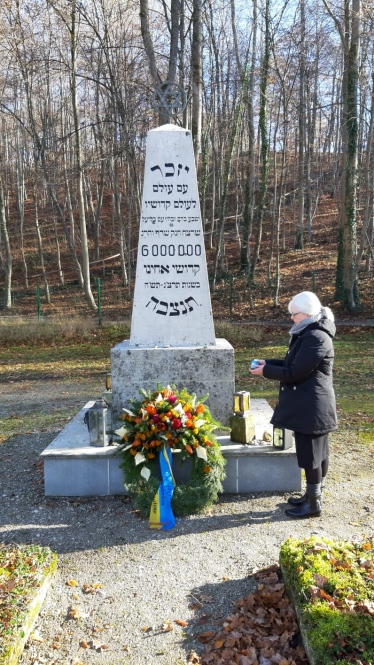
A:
[259,468]
[74,468]
[242,428]
[199,369]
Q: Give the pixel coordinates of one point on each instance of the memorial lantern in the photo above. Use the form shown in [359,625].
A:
[96,421]
[242,423]
[282,438]
[108,398]
[241,403]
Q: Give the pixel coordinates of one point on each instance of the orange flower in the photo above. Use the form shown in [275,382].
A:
[136,443]
[189,449]
[189,423]
[153,443]
[151,409]
[138,420]
[125,437]
[200,408]
[207,469]
[132,451]
[208,443]
[151,455]
[168,435]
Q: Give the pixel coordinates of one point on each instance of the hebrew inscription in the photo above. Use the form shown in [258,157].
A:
[171,278]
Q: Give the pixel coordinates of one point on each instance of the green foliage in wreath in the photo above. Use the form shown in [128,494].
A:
[181,421]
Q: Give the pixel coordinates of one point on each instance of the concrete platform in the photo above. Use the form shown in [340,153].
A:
[74,468]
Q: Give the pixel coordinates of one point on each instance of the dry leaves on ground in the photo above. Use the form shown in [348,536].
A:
[262,630]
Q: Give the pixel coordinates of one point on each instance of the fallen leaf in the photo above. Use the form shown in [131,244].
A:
[102,647]
[75,613]
[204,637]
[320,580]
[180,622]
[167,627]
[72,583]
[83,644]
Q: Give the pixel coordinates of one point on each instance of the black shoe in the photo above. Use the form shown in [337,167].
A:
[311,508]
[297,500]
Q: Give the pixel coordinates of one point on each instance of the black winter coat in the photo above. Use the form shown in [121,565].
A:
[306,401]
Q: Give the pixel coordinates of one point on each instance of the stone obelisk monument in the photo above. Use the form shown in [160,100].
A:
[172,336]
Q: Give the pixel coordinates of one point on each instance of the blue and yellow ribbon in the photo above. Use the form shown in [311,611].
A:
[161,516]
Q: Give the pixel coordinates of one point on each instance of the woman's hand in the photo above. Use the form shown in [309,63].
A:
[258,371]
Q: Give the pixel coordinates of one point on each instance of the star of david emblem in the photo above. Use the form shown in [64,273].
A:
[169,97]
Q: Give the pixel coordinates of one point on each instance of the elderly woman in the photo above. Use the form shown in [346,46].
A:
[306,401]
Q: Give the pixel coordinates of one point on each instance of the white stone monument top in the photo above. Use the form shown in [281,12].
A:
[172,305]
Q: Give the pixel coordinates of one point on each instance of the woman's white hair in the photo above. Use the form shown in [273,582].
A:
[308,303]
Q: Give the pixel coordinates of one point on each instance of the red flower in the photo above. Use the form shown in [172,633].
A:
[172,399]
[176,423]
[155,418]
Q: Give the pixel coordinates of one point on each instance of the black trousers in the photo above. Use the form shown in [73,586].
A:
[311,451]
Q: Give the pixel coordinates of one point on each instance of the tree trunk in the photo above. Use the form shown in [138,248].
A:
[78,155]
[248,210]
[196,76]
[299,239]
[7,264]
[264,140]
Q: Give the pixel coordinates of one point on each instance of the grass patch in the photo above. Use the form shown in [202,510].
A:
[34,422]
[24,570]
[332,586]
[17,330]
[67,355]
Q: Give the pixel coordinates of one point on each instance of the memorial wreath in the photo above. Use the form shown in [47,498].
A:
[166,421]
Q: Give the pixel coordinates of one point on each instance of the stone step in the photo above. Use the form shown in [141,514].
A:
[72,467]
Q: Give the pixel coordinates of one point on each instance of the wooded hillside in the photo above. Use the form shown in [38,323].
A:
[280,104]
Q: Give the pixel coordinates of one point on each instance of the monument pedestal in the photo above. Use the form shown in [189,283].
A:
[74,468]
[199,369]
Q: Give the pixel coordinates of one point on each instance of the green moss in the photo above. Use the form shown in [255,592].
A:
[25,574]
[332,585]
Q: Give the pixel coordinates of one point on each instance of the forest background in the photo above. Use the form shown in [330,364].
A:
[280,105]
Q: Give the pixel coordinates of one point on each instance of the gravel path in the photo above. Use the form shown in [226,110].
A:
[140,582]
